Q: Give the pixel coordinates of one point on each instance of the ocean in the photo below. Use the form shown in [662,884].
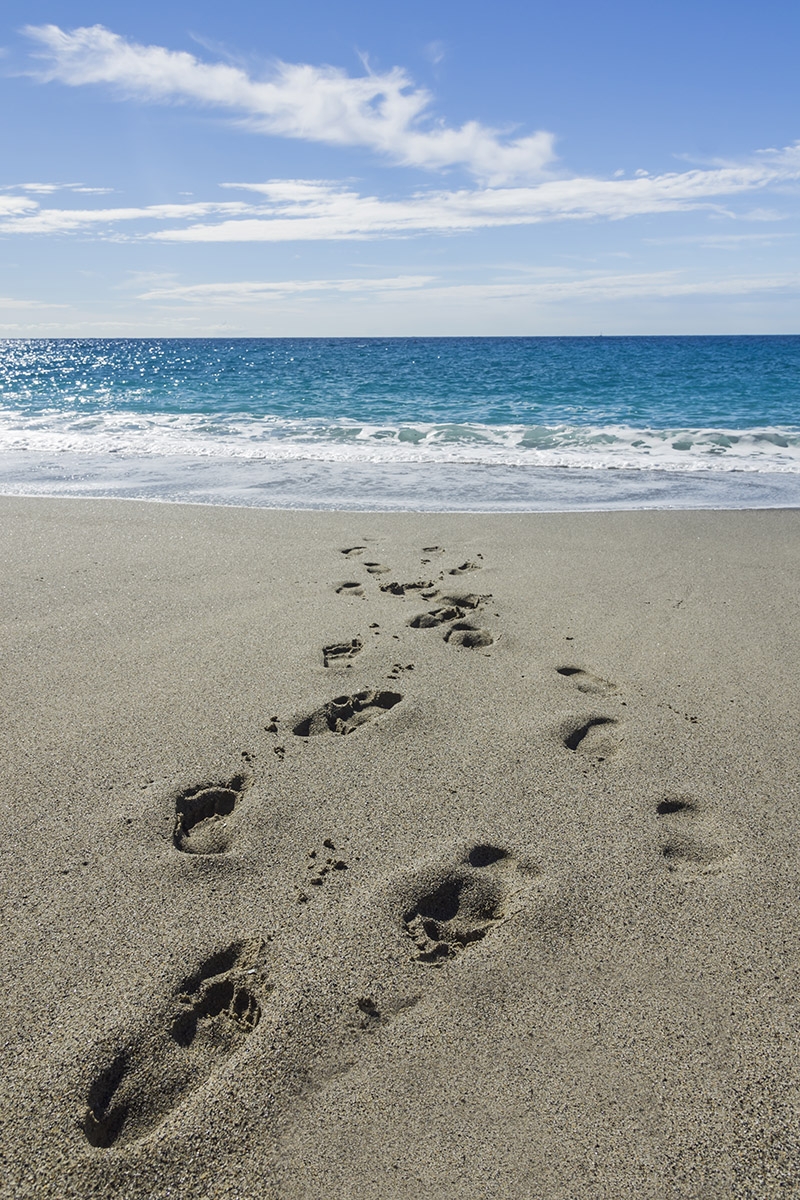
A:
[444,424]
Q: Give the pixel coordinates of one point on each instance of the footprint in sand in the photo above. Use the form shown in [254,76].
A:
[203,815]
[346,713]
[350,587]
[465,567]
[468,635]
[452,612]
[447,910]
[692,843]
[404,589]
[596,737]
[353,551]
[586,682]
[376,568]
[339,652]
[208,1017]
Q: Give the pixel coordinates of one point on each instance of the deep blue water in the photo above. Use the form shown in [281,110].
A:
[674,405]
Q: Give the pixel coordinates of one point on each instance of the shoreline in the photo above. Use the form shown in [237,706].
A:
[526,930]
[390,487]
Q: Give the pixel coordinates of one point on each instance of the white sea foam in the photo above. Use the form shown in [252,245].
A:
[277,440]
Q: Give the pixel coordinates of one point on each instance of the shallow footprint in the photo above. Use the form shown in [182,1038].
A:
[464,568]
[376,568]
[693,844]
[202,816]
[597,738]
[585,681]
[453,908]
[346,713]
[350,587]
[339,651]
[209,1016]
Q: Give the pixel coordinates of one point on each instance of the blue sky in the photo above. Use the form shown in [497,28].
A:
[361,169]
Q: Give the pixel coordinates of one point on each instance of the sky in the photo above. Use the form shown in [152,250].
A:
[359,169]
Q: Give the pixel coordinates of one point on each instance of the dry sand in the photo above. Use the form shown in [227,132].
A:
[529,929]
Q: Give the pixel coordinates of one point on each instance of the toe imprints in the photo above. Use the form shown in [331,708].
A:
[449,910]
[207,1019]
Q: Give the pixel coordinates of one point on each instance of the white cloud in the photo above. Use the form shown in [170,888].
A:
[383,112]
[47,189]
[11,206]
[249,291]
[34,219]
[591,287]
[656,284]
[317,210]
[311,210]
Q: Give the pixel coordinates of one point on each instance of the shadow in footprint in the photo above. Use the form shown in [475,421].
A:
[597,738]
[585,681]
[693,844]
[452,909]
[376,568]
[346,713]
[464,568]
[209,1016]
[349,588]
[203,816]
[404,589]
[339,651]
[436,616]
[463,633]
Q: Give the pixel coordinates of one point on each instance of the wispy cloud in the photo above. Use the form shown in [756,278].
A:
[310,210]
[47,189]
[590,287]
[380,111]
[250,291]
[33,219]
[14,206]
[317,210]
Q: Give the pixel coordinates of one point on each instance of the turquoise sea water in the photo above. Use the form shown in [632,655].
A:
[483,423]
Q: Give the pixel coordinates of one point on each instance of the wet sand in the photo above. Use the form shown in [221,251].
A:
[500,902]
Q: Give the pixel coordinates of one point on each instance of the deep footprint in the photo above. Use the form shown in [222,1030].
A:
[209,1016]
[598,738]
[346,713]
[460,907]
[585,681]
[436,616]
[203,816]
[339,651]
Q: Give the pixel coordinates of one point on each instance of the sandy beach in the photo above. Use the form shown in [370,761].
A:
[378,855]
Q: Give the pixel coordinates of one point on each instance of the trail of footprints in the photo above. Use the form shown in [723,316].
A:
[439,912]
